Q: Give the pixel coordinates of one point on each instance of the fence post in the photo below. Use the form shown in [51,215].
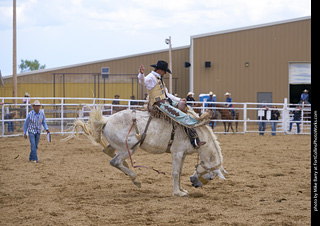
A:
[2,118]
[285,115]
[245,117]
[62,102]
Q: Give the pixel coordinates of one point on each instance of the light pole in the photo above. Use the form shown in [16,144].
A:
[168,41]
[14,63]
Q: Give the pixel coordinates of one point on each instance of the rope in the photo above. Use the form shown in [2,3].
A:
[133,166]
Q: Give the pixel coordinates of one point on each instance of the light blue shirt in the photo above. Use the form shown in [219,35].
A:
[229,100]
[34,121]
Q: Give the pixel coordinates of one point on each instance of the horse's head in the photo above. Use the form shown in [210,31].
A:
[203,175]
[209,167]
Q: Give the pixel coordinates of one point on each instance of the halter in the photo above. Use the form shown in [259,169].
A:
[207,170]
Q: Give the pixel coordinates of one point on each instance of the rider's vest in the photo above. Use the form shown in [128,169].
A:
[158,92]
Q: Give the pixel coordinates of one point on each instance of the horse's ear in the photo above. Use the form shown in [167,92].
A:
[220,175]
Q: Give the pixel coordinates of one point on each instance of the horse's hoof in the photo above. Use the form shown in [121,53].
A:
[137,183]
[183,190]
[180,194]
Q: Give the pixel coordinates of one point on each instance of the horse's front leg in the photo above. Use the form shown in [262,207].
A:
[177,163]
[181,166]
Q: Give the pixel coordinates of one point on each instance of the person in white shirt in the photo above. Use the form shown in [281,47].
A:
[160,99]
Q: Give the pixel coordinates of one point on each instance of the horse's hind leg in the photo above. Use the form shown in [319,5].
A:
[119,162]
[109,150]
[231,127]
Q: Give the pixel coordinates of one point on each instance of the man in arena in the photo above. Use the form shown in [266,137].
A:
[32,125]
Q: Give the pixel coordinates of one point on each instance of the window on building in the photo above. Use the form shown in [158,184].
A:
[299,80]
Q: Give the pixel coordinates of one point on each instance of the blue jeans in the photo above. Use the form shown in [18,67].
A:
[262,127]
[10,126]
[34,141]
[273,128]
[298,125]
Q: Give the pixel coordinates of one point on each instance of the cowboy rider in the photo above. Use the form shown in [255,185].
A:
[164,101]
[229,100]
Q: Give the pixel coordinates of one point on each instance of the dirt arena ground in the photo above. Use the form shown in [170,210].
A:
[73,184]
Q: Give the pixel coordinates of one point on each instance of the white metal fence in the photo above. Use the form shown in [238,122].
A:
[61,113]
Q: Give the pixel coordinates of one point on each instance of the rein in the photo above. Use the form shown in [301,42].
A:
[133,166]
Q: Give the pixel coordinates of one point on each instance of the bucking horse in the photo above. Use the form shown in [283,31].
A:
[122,132]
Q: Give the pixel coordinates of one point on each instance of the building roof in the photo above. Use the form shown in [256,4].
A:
[251,27]
[164,50]
[91,62]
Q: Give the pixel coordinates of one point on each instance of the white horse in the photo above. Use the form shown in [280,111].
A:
[116,131]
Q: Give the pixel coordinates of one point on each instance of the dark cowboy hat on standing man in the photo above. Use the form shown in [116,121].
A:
[162,65]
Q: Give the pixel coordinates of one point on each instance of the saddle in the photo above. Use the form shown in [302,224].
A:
[182,106]
[142,137]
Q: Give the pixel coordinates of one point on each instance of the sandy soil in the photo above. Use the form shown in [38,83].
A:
[73,184]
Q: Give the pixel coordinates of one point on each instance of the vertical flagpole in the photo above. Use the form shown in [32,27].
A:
[170,64]
[168,41]
[14,63]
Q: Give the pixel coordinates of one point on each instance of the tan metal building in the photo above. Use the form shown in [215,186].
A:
[86,80]
[252,62]
[255,64]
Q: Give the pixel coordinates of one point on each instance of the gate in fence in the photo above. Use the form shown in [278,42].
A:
[248,117]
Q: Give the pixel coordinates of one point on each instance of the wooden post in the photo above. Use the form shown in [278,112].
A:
[14,63]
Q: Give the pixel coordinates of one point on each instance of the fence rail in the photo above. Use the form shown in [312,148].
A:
[61,112]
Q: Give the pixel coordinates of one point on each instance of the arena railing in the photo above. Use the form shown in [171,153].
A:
[61,113]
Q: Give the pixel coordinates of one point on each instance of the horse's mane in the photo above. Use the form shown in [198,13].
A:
[215,142]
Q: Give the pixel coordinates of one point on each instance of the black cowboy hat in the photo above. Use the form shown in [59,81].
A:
[162,65]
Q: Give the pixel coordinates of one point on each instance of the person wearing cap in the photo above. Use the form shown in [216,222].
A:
[296,118]
[116,101]
[26,99]
[32,125]
[212,98]
[304,97]
[190,98]
[229,100]
[161,100]
[10,124]
[262,122]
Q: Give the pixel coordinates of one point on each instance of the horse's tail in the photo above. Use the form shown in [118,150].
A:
[93,128]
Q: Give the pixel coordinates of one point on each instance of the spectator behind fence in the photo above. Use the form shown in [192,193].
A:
[263,116]
[296,118]
[26,98]
[116,101]
[275,117]
[212,98]
[133,102]
[10,124]
[190,98]
[304,97]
